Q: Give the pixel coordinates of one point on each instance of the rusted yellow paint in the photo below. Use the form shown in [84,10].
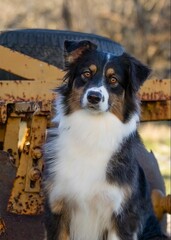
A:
[155,110]
[156,90]
[27,67]
[27,91]
[161,203]
[26,197]
[3,112]
[2,133]
[39,124]
[11,138]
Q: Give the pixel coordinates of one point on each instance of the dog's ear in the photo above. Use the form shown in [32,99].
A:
[138,72]
[75,49]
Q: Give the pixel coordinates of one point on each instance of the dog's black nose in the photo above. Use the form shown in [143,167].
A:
[94,97]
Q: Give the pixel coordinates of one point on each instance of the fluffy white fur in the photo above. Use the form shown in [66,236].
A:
[112,236]
[85,144]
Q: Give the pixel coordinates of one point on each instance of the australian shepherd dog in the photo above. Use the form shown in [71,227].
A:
[95,188]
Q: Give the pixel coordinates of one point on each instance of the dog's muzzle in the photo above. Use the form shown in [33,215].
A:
[96,99]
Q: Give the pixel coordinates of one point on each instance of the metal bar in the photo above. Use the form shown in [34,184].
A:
[27,67]
[156,90]
[152,90]
[35,163]
[27,91]
[156,110]
[26,197]
[2,134]
[3,112]
[11,138]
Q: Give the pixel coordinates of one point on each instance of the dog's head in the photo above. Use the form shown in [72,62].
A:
[99,82]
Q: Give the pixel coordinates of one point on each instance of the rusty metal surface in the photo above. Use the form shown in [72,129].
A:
[161,203]
[26,66]
[29,93]
[3,112]
[11,138]
[35,164]
[26,197]
[156,90]
[2,133]
[155,110]
[33,92]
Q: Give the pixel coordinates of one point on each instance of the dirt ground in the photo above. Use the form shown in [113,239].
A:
[23,227]
[17,227]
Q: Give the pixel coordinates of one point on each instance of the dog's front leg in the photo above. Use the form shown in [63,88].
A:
[57,221]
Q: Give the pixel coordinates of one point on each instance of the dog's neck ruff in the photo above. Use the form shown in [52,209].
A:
[89,133]
[82,151]
[90,139]
[102,129]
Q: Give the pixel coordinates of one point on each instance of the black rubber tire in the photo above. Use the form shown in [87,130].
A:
[47,45]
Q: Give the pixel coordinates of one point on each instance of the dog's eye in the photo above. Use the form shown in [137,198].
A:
[113,81]
[86,74]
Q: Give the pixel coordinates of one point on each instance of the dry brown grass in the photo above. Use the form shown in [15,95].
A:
[156,137]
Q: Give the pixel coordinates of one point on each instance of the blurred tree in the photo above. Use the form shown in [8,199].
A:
[142,26]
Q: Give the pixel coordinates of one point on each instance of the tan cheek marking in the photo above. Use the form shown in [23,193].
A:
[93,68]
[117,103]
[110,71]
[74,100]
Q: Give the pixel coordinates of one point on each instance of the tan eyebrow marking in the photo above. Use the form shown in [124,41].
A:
[110,71]
[93,68]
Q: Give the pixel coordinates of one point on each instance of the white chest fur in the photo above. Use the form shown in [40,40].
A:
[84,147]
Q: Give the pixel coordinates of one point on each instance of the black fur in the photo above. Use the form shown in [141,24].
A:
[52,223]
[123,168]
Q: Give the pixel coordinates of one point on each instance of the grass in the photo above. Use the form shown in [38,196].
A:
[156,137]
